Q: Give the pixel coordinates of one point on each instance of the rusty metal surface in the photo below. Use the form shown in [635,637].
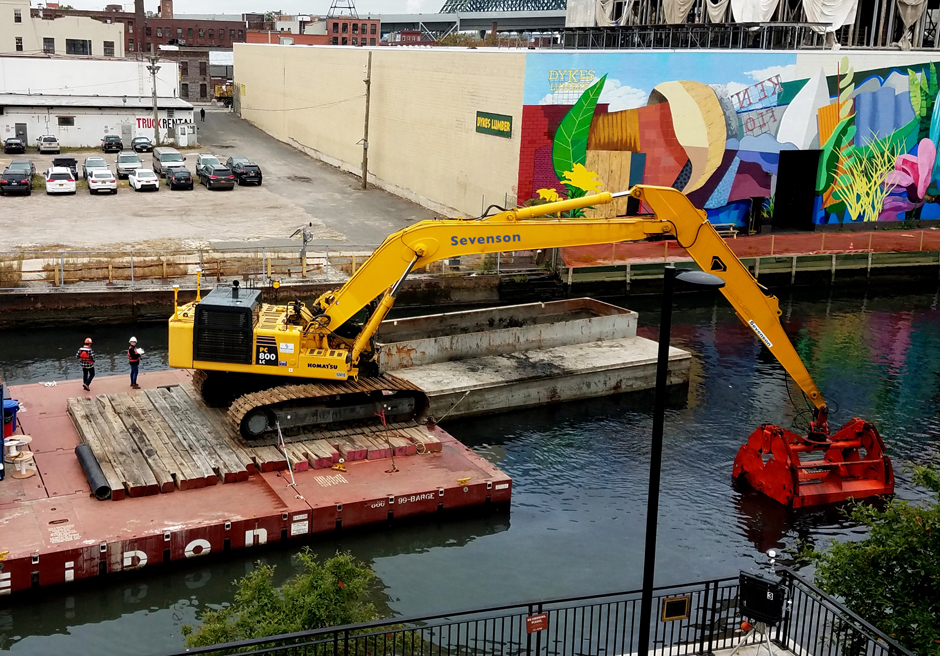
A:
[429,339]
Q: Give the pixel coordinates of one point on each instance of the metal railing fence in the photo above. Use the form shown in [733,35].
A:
[157,269]
[605,624]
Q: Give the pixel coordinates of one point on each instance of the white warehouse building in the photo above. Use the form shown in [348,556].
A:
[81,101]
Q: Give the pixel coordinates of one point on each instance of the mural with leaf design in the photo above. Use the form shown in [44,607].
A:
[718,126]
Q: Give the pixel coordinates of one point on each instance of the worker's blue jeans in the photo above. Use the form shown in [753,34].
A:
[134,367]
[87,375]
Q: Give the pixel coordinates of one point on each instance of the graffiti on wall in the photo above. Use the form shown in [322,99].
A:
[720,128]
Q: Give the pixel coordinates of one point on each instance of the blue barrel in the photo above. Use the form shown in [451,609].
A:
[10,409]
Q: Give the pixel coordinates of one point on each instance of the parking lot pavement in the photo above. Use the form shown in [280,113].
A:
[154,220]
[325,193]
[297,190]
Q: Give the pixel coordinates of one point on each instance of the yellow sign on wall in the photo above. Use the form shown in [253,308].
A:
[495,124]
[241,89]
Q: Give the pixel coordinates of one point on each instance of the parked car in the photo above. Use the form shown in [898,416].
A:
[93,162]
[142,145]
[101,180]
[179,178]
[144,179]
[68,162]
[127,162]
[14,145]
[16,182]
[22,165]
[60,180]
[204,161]
[112,144]
[166,158]
[217,177]
[244,169]
[48,144]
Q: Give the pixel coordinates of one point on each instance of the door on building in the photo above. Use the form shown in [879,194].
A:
[21,132]
[127,134]
[796,190]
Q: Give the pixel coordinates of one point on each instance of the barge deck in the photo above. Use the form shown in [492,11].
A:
[56,531]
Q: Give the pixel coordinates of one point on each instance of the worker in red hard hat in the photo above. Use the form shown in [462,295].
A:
[86,357]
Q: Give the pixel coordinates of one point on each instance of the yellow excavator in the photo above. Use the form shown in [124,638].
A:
[296,367]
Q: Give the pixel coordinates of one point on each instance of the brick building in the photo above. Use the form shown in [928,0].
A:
[212,30]
[195,77]
[352,31]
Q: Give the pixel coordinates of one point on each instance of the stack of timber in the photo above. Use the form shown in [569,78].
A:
[167,438]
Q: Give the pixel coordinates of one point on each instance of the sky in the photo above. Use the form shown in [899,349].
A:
[316,8]
[631,76]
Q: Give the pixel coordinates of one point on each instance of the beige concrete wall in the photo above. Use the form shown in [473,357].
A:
[423,142]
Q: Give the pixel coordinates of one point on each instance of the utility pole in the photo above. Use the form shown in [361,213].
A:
[153,69]
[365,132]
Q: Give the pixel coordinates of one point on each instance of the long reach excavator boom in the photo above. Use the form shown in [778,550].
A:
[673,215]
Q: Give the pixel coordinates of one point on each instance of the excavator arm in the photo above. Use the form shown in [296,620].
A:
[519,229]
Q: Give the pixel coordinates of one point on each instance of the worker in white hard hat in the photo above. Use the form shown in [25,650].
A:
[133,357]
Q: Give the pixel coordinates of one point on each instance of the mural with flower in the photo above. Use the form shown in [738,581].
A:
[720,127]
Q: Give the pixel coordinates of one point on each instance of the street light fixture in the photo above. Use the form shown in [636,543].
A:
[670,276]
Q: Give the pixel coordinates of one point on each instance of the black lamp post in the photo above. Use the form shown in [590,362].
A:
[670,276]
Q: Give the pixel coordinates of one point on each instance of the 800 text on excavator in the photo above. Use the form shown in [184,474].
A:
[295,368]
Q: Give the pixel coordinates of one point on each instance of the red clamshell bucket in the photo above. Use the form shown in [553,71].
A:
[799,472]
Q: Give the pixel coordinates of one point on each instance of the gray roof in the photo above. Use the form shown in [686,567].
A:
[133,102]
[211,17]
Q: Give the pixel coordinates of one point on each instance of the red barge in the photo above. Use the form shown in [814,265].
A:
[55,530]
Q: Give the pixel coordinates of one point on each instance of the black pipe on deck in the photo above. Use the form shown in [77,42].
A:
[94,475]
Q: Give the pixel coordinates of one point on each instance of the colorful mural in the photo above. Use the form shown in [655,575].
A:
[718,127]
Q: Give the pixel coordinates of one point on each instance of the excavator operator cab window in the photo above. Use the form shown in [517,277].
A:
[224,325]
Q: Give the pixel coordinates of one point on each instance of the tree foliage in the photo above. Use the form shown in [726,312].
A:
[892,577]
[324,594]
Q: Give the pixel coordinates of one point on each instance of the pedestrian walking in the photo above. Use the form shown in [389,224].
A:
[86,357]
[133,357]
[202,114]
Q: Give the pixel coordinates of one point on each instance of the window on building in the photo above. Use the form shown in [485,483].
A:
[189,32]
[48,45]
[364,28]
[231,34]
[184,67]
[77,47]
[335,28]
[345,41]
[130,28]
[355,41]
[241,35]
[109,48]
[17,16]
[66,121]
[184,90]
[148,31]
[372,30]
[179,32]
[130,45]
[19,44]
[202,33]
[355,29]
[212,34]
[202,68]
[202,90]
[334,41]
[345,27]
[159,32]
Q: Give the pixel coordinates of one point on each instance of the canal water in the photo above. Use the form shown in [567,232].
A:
[580,470]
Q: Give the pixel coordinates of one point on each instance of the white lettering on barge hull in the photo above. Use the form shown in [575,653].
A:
[427,496]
